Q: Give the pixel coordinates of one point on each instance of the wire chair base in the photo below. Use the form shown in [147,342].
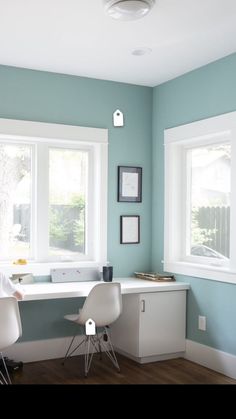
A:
[92,344]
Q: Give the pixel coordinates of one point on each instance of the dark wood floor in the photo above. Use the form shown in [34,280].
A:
[174,371]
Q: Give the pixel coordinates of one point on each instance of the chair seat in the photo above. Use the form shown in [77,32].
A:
[10,331]
[72,317]
[103,305]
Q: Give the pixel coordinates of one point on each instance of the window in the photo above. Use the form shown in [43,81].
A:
[200,235]
[15,201]
[208,202]
[68,201]
[53,187]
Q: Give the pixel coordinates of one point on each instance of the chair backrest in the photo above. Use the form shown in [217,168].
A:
[10,322]
[103,304]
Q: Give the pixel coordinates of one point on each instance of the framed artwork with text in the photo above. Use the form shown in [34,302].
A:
[129,229]
[129,184]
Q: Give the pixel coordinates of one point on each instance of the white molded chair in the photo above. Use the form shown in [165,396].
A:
[10,329]
[103,306]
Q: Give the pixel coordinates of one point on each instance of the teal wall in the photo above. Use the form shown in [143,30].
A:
[57,98]
[203,93]
[49,97]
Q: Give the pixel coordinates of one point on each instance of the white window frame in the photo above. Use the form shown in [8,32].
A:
[214,130]
[44,136]
[42,193]
[186,211]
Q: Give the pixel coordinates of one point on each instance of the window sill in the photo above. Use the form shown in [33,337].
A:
[44,268]
[220,274]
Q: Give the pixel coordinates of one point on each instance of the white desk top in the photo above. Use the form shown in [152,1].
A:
[49,290]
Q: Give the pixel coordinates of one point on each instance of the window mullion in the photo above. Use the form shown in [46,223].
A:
[233,204]
[103,200]
[90,223]
[33,247]
[186,202]
[42,199]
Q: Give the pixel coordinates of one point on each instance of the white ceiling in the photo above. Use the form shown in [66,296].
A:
[76,37]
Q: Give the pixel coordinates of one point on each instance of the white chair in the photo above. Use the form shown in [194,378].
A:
[103,306]
[10,329]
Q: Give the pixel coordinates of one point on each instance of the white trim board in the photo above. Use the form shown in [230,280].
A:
[41,350]
[151,358]
[12,128]
[214,359]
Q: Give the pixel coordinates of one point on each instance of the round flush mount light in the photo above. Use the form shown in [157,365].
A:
[128,9]
[141,51]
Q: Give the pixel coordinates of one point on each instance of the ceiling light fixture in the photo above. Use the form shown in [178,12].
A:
[141,51]
[128,9]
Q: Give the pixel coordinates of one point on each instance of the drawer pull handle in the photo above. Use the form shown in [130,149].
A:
[143,306]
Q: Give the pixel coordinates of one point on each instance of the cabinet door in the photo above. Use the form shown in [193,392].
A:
[162,323]
[125,331]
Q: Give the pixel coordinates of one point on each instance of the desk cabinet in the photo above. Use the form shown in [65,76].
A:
[151,325]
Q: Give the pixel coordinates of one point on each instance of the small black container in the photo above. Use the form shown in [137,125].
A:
[107,273]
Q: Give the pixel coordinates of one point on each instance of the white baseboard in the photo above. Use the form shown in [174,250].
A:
[152,358]
[214,359]
[40,350]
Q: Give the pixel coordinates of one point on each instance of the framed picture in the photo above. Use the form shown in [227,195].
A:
[129,184]
[129,229]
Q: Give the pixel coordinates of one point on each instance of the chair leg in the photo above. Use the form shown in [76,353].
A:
[88,340]
[110,352]
[88,356]
[95,342]
[100,349]
[68,354]
[72,340]
[97,345]
[5,380]
[94,339]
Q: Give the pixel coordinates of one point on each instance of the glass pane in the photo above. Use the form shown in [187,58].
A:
[15,201]
[68,177]
[210,201]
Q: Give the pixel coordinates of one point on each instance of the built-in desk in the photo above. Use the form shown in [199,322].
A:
[151,326]
[49,290]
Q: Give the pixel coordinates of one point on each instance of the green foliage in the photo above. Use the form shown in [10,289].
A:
[78,231]
[58,230]
[78,201]
[200,235]
[67,224]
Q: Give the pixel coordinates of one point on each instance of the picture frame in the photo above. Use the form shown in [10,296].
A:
[129,184]
[129,229]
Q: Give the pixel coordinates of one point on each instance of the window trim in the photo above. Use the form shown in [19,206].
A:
[95,139]
[221,128]
[187,209]
[42,193]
